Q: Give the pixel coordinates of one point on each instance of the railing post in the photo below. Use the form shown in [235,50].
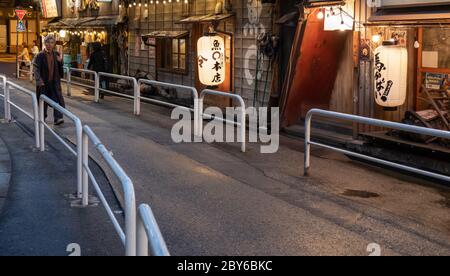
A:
[7,103]
[97,87]
[85,146]
[36,121]
[200,116]
[307,144]
[130,218]
[41,124]
[243,127]
[79,133]
[141,238]
[196,118]
[137,97]
[69,82]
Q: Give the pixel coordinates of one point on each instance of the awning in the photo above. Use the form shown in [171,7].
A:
[411,14]
[205,18]
[164,34]
[101,21]
[86,22]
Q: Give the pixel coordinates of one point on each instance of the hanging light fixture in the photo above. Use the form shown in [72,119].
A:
[211,60]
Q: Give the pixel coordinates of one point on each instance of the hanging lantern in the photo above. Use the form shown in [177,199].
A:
[391,69]
[211,60]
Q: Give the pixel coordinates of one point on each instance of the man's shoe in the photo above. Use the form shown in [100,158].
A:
[59,122]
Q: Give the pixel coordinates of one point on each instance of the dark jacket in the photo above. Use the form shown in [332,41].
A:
[97,61]
[40,69]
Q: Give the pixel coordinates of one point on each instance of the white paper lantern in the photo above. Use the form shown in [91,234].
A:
[391,72]
[211,60]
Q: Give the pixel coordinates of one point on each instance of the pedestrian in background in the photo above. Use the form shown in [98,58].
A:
[98,63]
[48,71]
[34,49]
[24,57]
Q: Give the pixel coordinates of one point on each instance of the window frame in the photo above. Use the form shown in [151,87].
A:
[165,55]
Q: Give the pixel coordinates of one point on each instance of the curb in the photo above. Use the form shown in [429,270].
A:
[5,173]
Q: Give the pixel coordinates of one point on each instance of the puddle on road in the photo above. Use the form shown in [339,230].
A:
[361,194]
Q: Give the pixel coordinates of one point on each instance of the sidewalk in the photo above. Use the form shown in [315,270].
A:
[37,218]
[215,200]
[5,173]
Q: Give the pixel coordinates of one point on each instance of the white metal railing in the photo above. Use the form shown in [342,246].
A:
[88,72]
[198,111]
[189,89]
[136,90]
[10,86]
[129,236]
[5,103]
[79,138]
[148,233]
[373,122]
[20,70]
[149,230]
[243,113]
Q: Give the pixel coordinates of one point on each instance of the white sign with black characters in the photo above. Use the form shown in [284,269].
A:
[211,60]
[390,77]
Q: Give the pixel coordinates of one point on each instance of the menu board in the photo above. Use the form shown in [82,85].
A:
[436,81]
[51,8]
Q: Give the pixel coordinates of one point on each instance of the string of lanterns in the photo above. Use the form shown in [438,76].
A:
[151,2]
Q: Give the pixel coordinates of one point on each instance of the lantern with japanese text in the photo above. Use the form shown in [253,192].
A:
[391,69]
[211,60]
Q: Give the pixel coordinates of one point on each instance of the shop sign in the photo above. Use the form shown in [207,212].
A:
[20,28]
[50,8]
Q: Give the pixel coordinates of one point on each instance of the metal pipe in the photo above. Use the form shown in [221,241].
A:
[34,116]
[192,90]
[128,190]
[243,112]
[79,137]
[373,122]
[85,177]
[136,91]
[148,230]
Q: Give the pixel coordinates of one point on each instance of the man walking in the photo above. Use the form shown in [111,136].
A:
[48,71]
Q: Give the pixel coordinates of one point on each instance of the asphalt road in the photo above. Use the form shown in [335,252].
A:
[215,200]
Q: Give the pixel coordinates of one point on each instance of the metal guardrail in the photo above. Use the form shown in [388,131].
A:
[5,103]
[192,90]
[129,236]
[148,233]
[373,122]
[199,115]
[243,113]
[149,230]
[79,136]
[136,89]
[89,72]
[29,72]
[10,86]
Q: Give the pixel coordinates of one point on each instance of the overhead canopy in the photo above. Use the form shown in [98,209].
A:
[164,34]
[415,13]
[101,21]
[206,18]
